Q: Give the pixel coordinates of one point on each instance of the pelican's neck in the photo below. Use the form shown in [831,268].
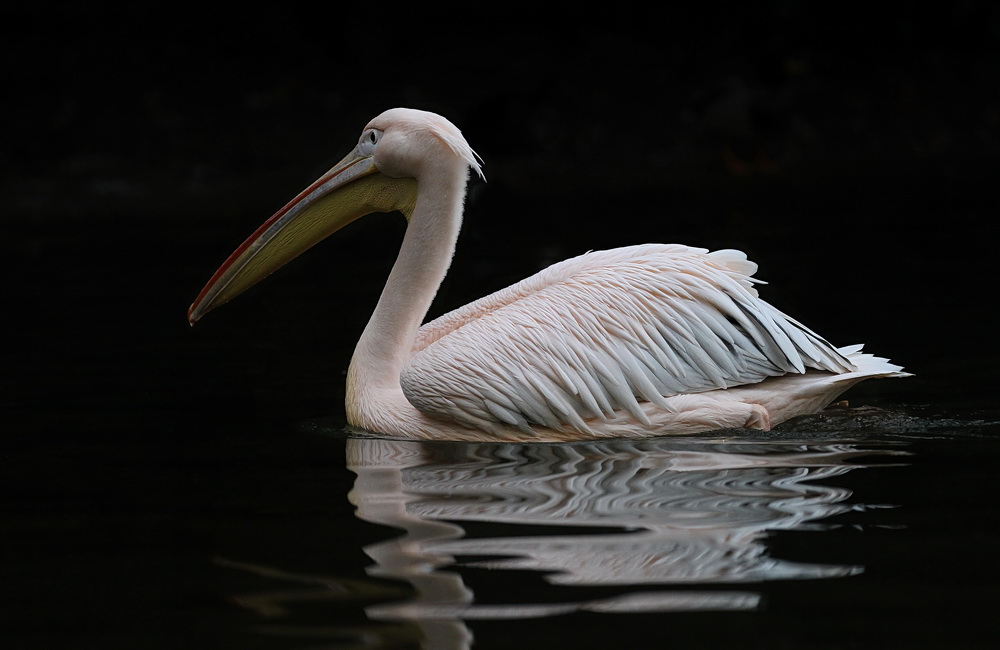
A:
[421,265]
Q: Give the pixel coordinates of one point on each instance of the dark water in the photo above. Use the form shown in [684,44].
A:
[859,528]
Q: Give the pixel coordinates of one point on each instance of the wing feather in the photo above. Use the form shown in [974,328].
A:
[606,332]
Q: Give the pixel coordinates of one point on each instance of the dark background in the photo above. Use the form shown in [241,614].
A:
[851,152]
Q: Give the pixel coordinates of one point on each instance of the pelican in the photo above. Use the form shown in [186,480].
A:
[639,341]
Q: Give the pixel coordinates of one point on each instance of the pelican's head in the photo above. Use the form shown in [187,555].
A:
[405,142]
[379,175]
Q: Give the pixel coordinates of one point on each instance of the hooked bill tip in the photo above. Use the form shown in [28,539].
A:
[192,316]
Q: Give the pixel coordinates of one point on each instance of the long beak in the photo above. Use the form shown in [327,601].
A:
[351,189]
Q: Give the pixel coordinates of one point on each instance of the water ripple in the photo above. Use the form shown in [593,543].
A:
[660,514]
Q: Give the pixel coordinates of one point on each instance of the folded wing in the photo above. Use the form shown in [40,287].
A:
[604,332]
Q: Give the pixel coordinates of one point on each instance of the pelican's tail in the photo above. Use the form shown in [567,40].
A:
[793,394]
[867,366]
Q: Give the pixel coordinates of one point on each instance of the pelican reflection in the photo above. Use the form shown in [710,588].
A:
[663,516]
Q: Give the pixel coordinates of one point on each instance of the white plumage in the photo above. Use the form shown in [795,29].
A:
[636,341]
[606,332]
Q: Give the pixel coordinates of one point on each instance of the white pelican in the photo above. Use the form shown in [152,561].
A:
[632,342]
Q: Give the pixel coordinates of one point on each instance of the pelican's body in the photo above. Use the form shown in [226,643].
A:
[637,341]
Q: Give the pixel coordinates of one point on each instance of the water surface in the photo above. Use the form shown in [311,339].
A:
[821,534]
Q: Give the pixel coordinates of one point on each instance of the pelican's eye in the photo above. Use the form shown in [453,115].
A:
[368,141]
